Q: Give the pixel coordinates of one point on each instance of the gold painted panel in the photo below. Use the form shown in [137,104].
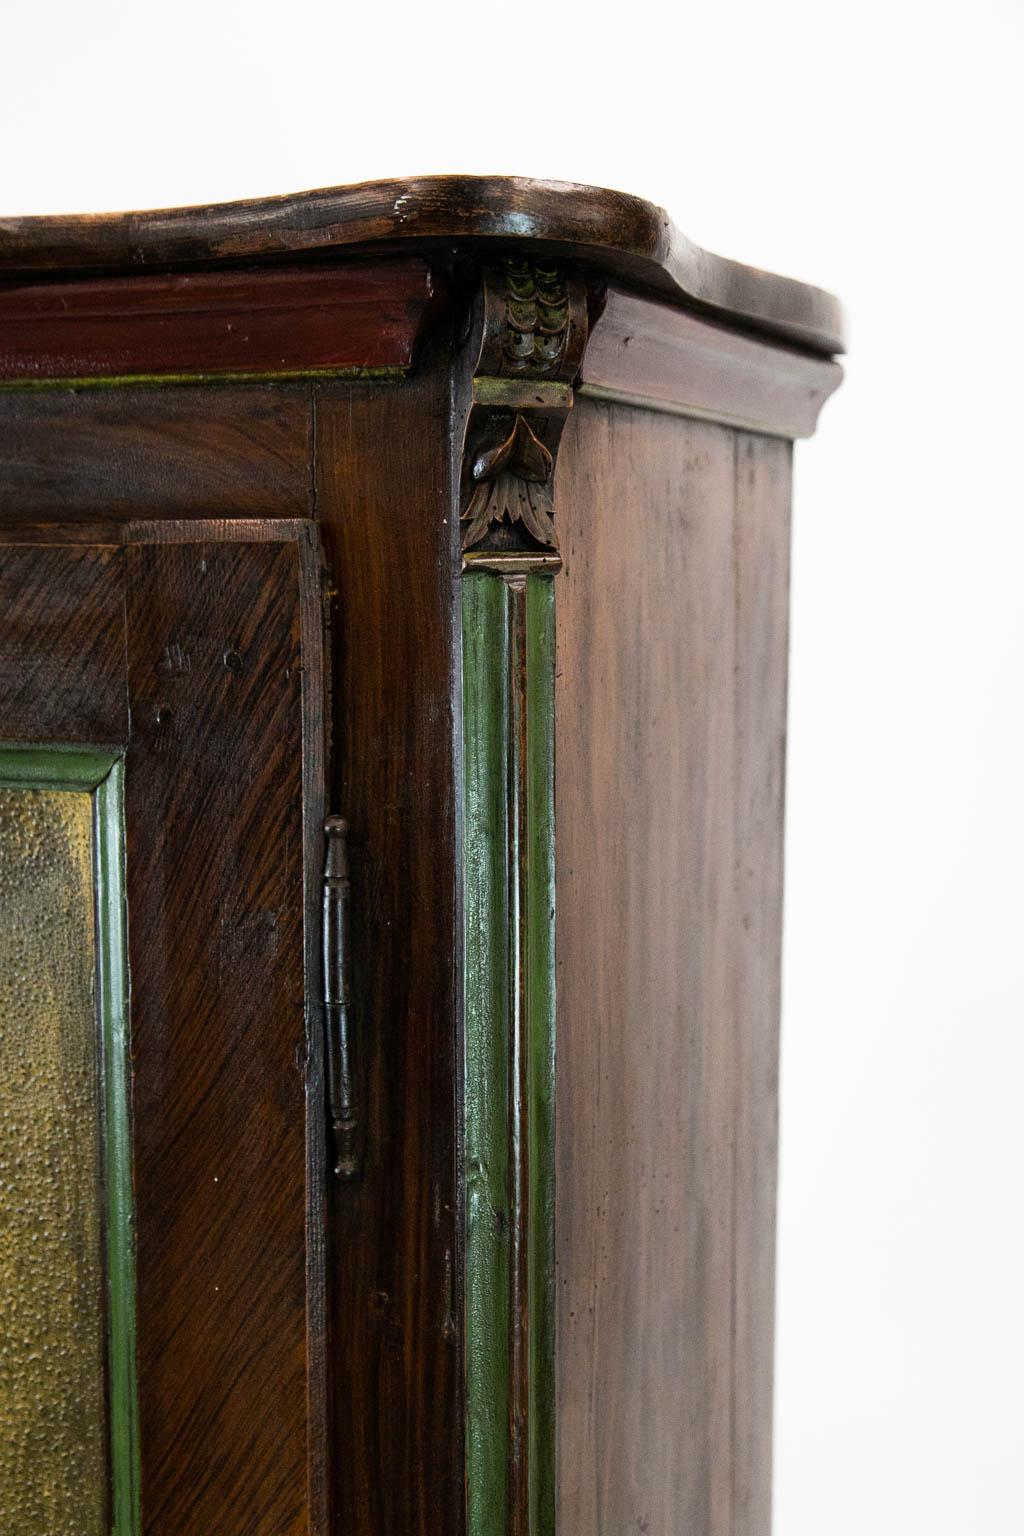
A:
[53,1438]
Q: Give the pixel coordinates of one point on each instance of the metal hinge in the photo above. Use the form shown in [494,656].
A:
[338,1022]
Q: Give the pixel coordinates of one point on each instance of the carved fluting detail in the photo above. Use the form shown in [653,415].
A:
[533,334]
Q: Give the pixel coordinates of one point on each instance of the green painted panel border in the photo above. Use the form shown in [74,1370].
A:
[29,767]
[114,1018]
[224,376]
[509,966]
[102,775]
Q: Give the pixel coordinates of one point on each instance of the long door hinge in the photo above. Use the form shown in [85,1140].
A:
[338,1021]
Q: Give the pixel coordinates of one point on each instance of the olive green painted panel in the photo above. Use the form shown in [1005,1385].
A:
[68,1442]
[509,1050]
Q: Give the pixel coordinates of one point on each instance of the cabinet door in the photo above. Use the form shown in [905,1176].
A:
[161,1093]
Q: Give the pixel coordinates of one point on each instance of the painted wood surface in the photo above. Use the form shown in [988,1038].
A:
[114,1005]
[670,718]
[508,1052]
[100,776]
[490,979]
[359,317]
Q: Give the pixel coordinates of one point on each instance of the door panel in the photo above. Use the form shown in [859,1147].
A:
[208,641]
[62,645]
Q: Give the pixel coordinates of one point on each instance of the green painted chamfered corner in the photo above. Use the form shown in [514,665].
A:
[508,896]
[487,978]
[101,774]
[113,993]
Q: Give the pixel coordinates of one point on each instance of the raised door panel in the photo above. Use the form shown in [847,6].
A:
[189,658]
[62,644]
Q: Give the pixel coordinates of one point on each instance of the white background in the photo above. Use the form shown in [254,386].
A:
[874,148]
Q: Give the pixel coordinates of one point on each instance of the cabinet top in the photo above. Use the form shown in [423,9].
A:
[613,232]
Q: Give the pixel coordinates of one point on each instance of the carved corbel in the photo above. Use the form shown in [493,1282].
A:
[534,331]
[530,318]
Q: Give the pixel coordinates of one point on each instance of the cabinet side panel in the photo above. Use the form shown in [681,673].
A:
[762,624]
[670,725]
[384,505]
[213,808]
[645,793]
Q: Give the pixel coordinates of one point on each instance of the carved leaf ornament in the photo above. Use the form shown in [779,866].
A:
[512,483]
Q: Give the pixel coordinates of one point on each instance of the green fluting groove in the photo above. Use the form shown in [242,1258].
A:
[102,775]
[114,1014]
[487,980]
[492,962]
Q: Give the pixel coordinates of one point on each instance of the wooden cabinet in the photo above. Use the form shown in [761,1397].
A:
[418,1178]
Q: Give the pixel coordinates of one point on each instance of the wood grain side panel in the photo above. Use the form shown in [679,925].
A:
[670,725]
[62,617]
[173,451]
[645,701]
[215,897]
[763,475]
[383,498]
[353,315]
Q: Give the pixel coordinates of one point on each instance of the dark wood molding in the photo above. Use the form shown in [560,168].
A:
[650,354]
[617,234]
[361,317]
[384,506]
[533,331]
